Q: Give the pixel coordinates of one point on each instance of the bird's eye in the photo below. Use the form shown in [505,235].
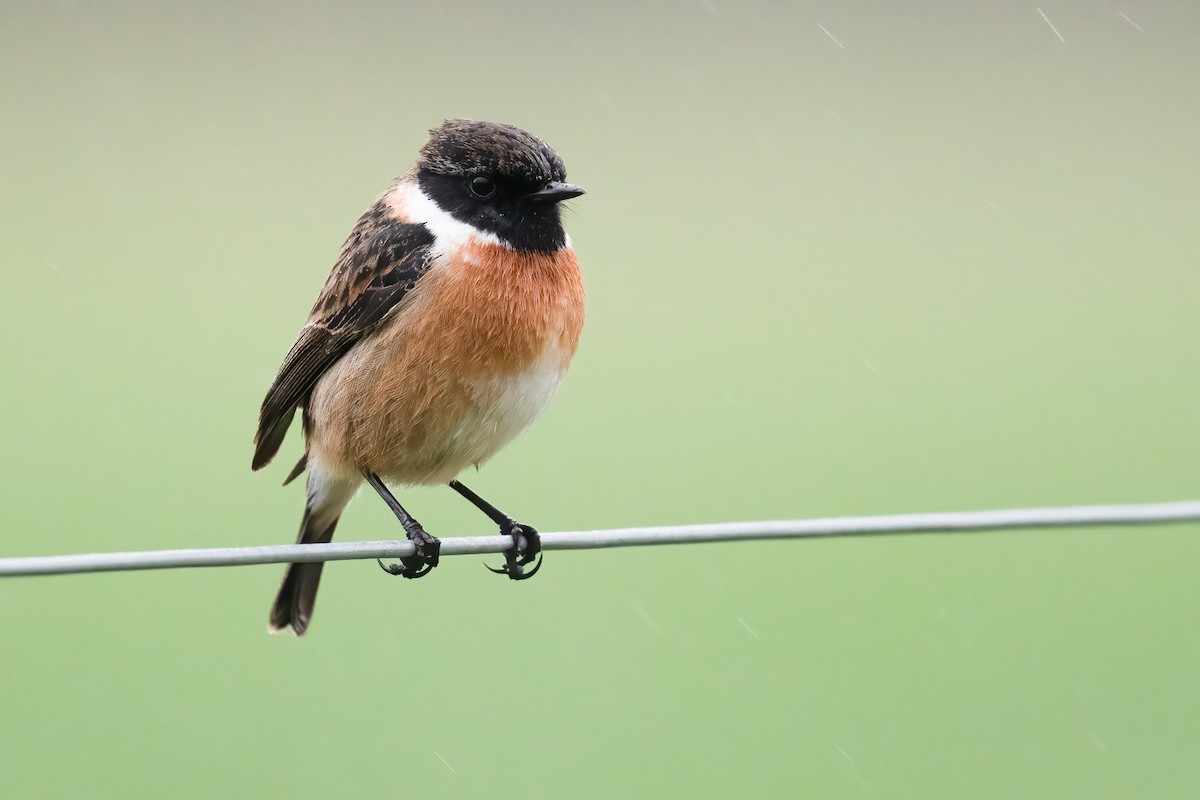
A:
[483,186]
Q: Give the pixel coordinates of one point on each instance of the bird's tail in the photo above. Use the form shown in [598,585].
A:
[298,593]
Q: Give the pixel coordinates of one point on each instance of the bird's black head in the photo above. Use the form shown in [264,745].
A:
[499,179]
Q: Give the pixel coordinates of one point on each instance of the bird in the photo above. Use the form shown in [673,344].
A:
[450,316]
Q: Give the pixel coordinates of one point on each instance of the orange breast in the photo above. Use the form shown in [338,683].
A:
[506,307]
[471,357]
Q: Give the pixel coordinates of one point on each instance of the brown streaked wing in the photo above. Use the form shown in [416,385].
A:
[381,260]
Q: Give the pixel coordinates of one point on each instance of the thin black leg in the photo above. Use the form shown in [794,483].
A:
[429,548]
[527,544]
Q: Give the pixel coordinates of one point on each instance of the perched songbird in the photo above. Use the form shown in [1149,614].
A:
[443,330]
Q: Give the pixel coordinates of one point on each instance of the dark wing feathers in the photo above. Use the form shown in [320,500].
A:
[381,260]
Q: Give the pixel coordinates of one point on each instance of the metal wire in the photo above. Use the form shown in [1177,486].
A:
[945,522]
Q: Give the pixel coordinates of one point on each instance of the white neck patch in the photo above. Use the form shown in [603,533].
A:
[417,207]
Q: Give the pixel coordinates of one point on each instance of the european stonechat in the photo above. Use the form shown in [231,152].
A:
[444,329]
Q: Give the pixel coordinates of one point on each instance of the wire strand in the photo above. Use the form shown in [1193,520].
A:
[942,522]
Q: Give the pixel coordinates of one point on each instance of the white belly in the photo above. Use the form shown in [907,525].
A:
[502,407]
[499,409]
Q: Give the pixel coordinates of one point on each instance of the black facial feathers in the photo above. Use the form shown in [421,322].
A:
[517,162]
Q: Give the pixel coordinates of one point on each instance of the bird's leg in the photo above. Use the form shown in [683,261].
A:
[527,544]
[428,548]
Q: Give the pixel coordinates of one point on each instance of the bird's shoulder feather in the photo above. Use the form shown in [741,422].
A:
[381,260]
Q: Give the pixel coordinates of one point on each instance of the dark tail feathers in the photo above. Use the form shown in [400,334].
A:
[294,604]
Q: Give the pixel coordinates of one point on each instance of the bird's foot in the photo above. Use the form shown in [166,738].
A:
[420,563]
[526,548]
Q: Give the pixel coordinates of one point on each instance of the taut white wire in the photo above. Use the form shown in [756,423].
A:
[946,522]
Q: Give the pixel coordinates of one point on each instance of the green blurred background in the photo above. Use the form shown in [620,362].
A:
[945,262]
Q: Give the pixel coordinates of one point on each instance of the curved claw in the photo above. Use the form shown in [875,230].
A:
[513,569]
[524,576]
[392,569]
[405,570]
[526,548]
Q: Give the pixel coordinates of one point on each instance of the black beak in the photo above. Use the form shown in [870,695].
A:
[555,191]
